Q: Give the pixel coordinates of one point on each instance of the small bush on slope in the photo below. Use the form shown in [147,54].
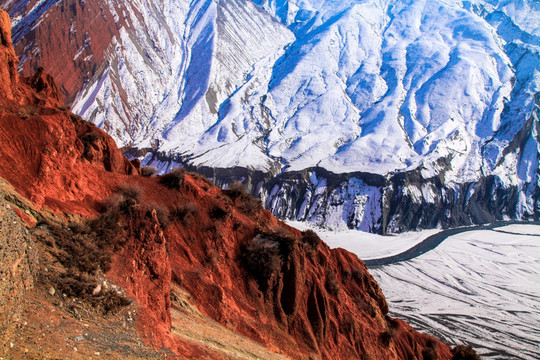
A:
[261,258]
[174,179]
[462,352]
[217,212]
[243,201]
[162,214]
[331,284]
[185,212]
[148,170]
[311,238]
[429,352]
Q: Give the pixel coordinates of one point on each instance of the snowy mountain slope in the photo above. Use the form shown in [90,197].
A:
[447,89]
[198,64]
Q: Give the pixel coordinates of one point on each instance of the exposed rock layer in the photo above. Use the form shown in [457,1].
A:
[18,261]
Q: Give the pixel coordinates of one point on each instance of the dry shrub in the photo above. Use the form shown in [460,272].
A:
[27,110]
[212,257]
[148,170]
[207,183]
[217,212]
[82,286]
[387,336]
[331,284]
[162,214]
[174,179]
[124,200]
[111,301]
[130,192]
[250,205]
[242,199]
[392,326]
[365,306]
[261,259]
[80,253]
[359,275]
[284,238]
[235,190]
[185,212]
[464,352]
[75,284]
[80,228]
[76,118]
[108,228]
[348,324]
[311,238]
[429,352]
[391,323]
[89,139]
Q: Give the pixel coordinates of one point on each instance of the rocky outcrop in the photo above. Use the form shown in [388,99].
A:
[47,93]
[18,261]
[8,66]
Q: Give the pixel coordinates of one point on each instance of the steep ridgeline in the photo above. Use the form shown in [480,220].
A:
[209,273]
[425,88]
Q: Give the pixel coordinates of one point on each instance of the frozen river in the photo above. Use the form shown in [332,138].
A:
[478,287]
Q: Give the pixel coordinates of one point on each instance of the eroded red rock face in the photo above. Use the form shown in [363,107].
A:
[312,302]
[242,267]
[77,34]
[142,267]
[47,93]
[9,79]
[57,160]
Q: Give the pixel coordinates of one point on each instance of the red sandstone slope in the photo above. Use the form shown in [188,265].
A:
[238,265]
[73,56]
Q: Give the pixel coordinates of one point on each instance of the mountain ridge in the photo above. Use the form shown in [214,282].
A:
[445,88]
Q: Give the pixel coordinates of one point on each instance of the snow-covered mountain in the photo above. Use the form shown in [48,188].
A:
[445,92]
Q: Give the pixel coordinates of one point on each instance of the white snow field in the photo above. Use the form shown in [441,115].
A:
[366,245]
[480,288]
